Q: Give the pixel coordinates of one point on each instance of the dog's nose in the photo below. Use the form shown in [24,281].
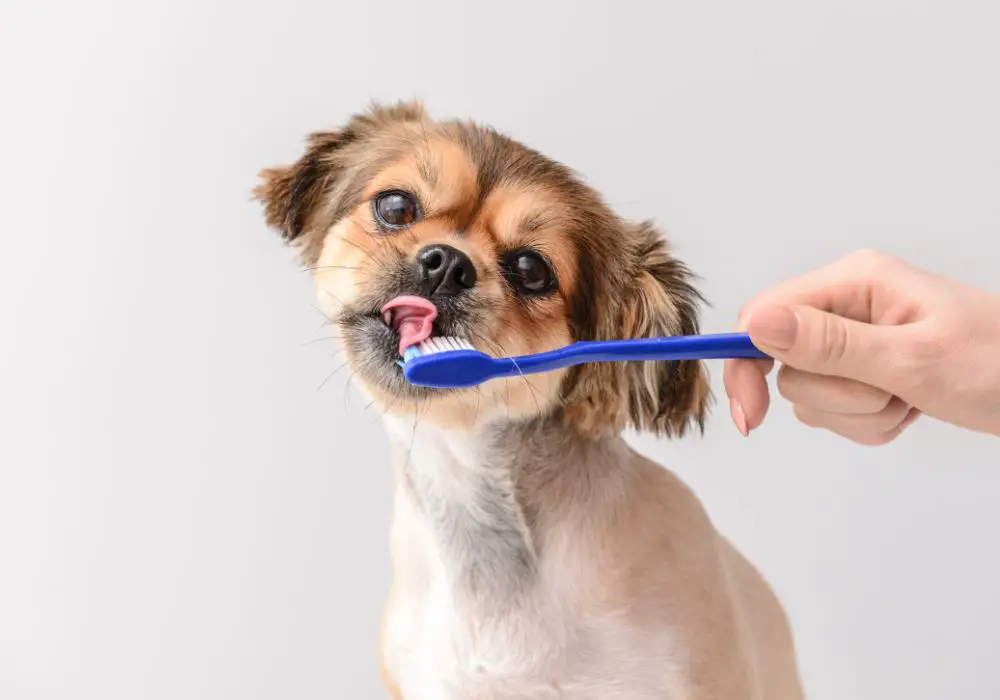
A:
[445,270]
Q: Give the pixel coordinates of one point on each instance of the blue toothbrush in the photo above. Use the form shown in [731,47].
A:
[452,363]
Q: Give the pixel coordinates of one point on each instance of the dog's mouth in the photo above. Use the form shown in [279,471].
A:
[411,318]
[378,333]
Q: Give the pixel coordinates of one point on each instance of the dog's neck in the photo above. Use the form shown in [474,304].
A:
[484,494]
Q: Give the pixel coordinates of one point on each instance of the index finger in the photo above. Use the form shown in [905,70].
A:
[848,287]
[746,385]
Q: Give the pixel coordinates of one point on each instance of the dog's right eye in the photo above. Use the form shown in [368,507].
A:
[529,273]
[395,210]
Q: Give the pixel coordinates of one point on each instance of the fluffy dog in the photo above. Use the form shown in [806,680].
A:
[535,554]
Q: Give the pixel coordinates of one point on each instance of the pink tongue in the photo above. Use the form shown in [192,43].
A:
[413,331]
[411,317]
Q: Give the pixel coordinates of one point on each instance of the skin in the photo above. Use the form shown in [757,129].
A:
[867,345]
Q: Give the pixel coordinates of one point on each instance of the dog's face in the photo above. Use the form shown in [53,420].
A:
[413,227]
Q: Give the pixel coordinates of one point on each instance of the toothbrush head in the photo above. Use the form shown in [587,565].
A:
[446,363]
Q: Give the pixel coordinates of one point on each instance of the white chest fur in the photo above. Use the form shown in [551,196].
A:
[477,614]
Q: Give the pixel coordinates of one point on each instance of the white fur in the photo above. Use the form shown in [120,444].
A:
[444,641]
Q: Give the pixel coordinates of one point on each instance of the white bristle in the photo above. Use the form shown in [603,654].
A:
[444,344]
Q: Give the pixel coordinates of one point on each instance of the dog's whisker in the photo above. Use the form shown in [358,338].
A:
[321,268]
[323,339]
[334,296]
[506,388]
[330,376]
[389,407]
[347,390]
[503,353]
[364,250]
[360,225]
[538,406]
[413,435]
[321,313]
[479,398]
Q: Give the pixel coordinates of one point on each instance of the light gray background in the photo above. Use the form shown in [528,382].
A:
[183,514]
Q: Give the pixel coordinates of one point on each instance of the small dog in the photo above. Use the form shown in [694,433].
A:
[535,554]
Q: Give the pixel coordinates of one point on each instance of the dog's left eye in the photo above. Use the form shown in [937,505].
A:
[395,210]
[529,273]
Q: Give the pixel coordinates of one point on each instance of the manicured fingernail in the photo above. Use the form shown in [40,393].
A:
[739,417]
[774,326]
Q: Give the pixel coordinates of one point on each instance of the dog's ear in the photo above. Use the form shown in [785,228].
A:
[637,290]
[662,397]
[290,194]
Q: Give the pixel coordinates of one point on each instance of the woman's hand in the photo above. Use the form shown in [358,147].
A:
[866,345]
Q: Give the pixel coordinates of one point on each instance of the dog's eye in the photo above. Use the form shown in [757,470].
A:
[529,273]
[395,210]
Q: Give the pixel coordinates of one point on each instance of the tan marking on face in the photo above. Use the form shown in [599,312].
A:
[340,261]
[528,216]
[439,173]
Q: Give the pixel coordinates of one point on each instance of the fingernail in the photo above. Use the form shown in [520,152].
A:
[739,417]
[774,326]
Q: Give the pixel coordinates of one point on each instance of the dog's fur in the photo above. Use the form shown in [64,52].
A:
[535,554]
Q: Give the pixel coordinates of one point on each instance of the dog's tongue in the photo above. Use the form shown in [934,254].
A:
[412,318]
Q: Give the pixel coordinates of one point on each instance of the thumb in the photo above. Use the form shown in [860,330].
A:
[815,341]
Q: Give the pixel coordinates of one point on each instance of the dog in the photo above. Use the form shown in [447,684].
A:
[535,555]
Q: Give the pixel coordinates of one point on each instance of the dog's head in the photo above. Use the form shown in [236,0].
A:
[513,253]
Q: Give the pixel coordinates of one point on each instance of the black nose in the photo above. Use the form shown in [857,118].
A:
[445,270]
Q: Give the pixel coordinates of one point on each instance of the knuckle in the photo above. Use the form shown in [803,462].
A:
[807,416]
[885,421]
[870,399]
[833,342]
[785,383]
[745,311]
[866,435]
[870,259]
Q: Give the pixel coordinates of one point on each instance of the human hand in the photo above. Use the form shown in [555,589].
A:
[869,343]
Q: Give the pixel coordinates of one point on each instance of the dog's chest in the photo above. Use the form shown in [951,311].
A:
[434,652]
[477,613]
[443,644]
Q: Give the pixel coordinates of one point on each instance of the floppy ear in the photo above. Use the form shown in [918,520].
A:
[291,194]
[636,289]
[662,397]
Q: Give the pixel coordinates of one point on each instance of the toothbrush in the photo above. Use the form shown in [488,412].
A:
[452,363]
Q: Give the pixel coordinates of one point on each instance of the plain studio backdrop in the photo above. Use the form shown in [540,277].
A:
[184,515]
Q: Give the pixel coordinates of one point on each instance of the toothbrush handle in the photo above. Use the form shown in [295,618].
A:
[695,347]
